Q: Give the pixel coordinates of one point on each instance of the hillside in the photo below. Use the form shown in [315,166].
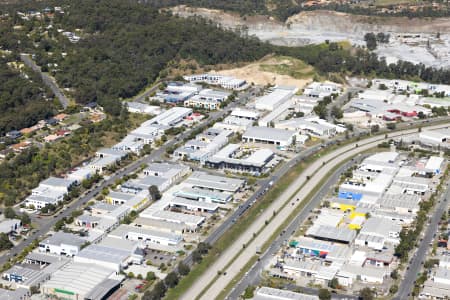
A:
[414,40]
[276,70]
[23,100]
[125,46]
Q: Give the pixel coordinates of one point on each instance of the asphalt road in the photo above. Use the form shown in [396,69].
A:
[252,277]
[142,97]
[45,225]
[49,81]
[225,261]
[340,101]
[418,258]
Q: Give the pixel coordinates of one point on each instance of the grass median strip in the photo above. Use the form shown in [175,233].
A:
[267,244]
[285,224]
[240,226]
[236,230]
[296,210]
[238,277]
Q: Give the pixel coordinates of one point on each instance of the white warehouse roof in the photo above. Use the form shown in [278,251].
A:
[268,133]
[267,293]
[77,278]
[275,98]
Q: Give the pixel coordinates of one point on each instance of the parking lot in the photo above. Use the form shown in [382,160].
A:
[158,257]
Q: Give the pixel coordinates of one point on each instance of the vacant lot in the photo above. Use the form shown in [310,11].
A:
[278,70]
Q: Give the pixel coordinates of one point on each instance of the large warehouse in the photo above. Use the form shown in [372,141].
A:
[81,281]
[274,99]
[268,135]
[254,163]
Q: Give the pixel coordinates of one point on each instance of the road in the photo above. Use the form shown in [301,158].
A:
[416,261]
[340,101]
[156,154]
[142,97]
[253,275]
[48,81]
[234,250]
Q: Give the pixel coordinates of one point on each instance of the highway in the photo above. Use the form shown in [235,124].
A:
[418,258]
[252,277]
[49,81]
[319,168]
[156,155]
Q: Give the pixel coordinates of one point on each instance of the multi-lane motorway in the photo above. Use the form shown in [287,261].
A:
[47,224]
[252,277]
[235,257]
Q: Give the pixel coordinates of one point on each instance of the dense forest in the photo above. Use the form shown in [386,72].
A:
[125,46]
[22,100]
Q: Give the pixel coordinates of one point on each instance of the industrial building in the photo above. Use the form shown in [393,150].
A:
[141,185]
[227,82]
[192,222]
[331,233]
[349,274]
[9,226]
[234,124]
[248,114]
[321,90]
[160,225]
[203,195]
[311,126]
[207,99]
[376,232]
[146,236]
[275,98]
[372,186]
[203,180]
[266,293]
[82,281]
[176,92]
[109,257]
[193,205]
[80,174]
[170,117]
[62,243]
[278,113]
[204,145]
[230,158]
[141,108]
[50,191]
[172,172]
[268,135]
[400,203]
[25,277]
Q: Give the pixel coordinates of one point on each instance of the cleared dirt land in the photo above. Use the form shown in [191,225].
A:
[278,70]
